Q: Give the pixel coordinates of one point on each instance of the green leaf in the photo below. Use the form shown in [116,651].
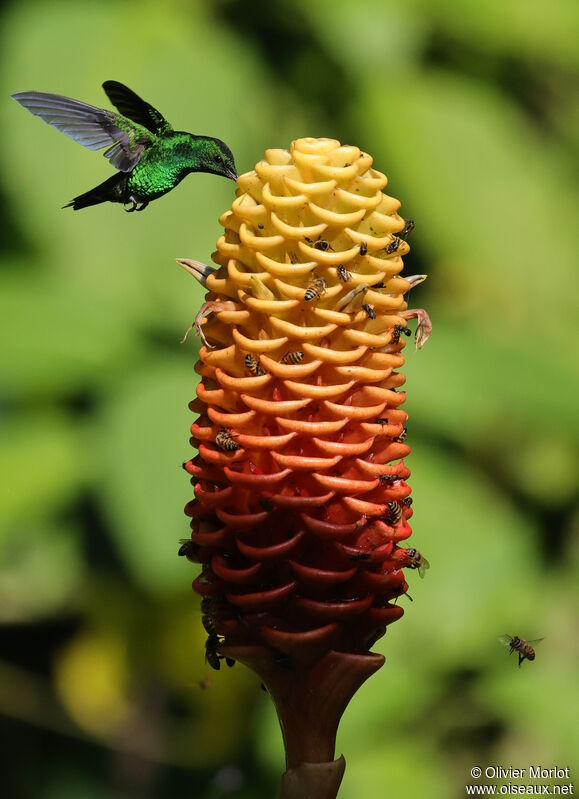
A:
[55,342]
[519,27]
[42,467]
[482,186]
[41,569]
[143,442]
[389,767]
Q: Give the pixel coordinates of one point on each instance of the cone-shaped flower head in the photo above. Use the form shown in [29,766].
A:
[301,500]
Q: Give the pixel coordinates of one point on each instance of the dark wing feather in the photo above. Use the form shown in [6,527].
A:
[132,106]
[90,126]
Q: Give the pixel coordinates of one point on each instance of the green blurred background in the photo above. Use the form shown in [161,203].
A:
[472,109]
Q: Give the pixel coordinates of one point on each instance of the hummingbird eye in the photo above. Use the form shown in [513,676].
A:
[218,159]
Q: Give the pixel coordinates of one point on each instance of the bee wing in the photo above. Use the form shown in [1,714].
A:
[90,126]
[423,566]
[505,639]
[536,641]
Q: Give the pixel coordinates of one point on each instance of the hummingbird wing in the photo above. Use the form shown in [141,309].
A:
[132,106]
[90,126]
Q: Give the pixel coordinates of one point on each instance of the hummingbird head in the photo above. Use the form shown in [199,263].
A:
[217,158]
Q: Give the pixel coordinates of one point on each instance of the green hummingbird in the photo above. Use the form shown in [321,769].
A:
[151,157]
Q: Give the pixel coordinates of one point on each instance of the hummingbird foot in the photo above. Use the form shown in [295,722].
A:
[143,206]
[133,206]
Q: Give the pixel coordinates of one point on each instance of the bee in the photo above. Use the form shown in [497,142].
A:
[212,657]
[363,248]
[208,622]
[320,244]
[253,365]
[224,440]
[402,592]
[209,604]
[407,229]
[402,435]
[394,513]
[188,549]
[315,290]
[293,357]
[389,478]
[407,501]
[416,560]
[359,557]
[343,273]
[397,332]
[369,310]
[266,504]
[382,420]
[393,246]
[524,648]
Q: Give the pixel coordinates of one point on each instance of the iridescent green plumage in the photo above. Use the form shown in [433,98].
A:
[152,158]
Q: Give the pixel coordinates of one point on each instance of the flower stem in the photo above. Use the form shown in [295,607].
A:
[313,780]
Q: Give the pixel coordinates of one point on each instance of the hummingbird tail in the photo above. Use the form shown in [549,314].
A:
[110,190]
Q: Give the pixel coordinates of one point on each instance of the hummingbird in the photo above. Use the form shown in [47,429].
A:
[151,157]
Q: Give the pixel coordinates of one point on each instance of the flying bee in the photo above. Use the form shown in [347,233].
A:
[363,248]
[343,273]
[397,332]
[315,290]
[394,513]
[416,560]
[369,310]
[320,244]
[407,229]
[253,365]
[516,644]
[402,435]
[393,246]
[224,440]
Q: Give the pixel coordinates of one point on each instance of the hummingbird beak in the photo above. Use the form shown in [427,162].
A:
[231,174]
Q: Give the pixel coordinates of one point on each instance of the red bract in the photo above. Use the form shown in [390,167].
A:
[301,500]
